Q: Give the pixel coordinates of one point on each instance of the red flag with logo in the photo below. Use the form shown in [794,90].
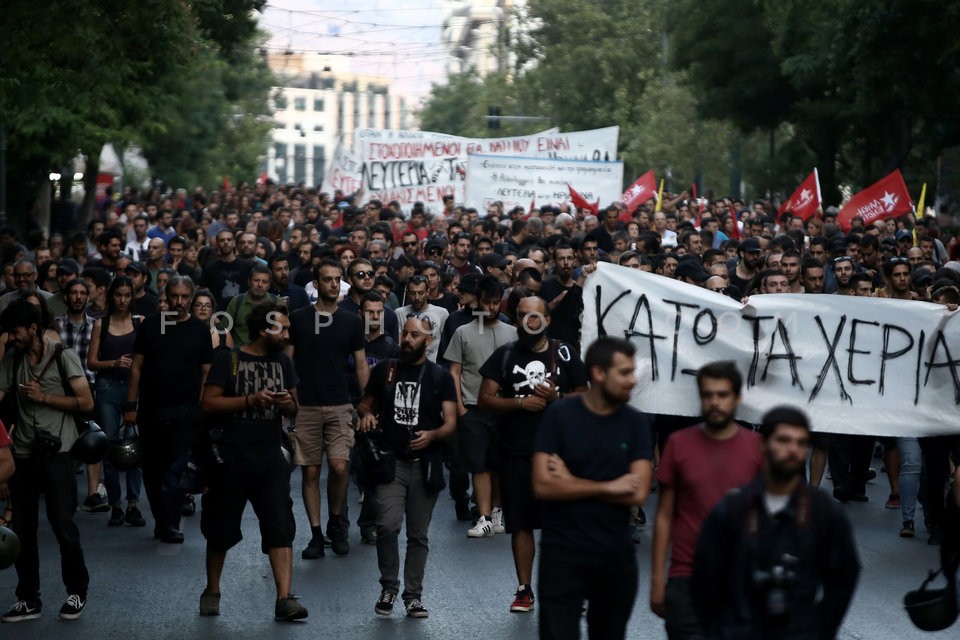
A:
[643,188]
[886,198]
[580,202]
[806,199]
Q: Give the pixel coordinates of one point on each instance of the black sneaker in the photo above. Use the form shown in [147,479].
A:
[314,549]
[368,536]
[339,532]
[171,535]
[288,609]
[907,530]
[133,517]
[23,610]
[384,606]
[96,503]
[416,610]
[935,537]
[72,608]
[116,517]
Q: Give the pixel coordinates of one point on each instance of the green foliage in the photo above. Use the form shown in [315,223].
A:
[167,74]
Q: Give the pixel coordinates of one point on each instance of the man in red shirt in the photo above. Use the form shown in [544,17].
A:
[698,466]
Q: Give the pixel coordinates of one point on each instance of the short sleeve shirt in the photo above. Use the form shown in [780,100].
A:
[322,344]
[593,447]
[470,347]
[174,354]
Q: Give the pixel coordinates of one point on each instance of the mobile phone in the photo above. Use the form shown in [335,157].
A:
[283,393]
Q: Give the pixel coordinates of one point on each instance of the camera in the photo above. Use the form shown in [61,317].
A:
[774,588]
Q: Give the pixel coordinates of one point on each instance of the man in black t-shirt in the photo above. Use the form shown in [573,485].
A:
[414,404]
[227,276]
[564,295]
[251,389]
[520,380]
[593,462]
[172,354]
[322,337]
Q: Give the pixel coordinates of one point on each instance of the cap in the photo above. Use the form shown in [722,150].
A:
[889,242]
[469,282]
[903,233]
[493,260]
[692,269]
[403,260]
[921,277]
[137,267]
[750,245]
[68,265]
[432,245]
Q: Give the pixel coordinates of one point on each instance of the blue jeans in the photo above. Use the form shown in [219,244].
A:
[911,462]
[108,412]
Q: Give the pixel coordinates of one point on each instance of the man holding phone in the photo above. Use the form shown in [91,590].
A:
[251,389]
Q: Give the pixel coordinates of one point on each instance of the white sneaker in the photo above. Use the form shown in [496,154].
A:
[496,519]
[483,529]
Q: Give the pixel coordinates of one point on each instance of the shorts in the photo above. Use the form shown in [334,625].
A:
[265,483]
[319,429]
[521,510]
[477,436]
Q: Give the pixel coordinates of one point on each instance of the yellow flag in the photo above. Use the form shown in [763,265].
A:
[923,196]
[660,197]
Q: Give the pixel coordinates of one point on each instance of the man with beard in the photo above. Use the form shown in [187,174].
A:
[775,559]
[322,338]
[699,464]
[751,257]
[294,295]
[251,389]
[592,463]
[144,303]
[419,307]
[811,275]
[564,297]
[413,403]
[226,276]
[242,305]
[520,380]
[172,354]
[360,277]
[460,257]
[790,266]
[843,270]
[33,373]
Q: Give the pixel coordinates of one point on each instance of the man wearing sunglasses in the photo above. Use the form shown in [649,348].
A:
[360,277]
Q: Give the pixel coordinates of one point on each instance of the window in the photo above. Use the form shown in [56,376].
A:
[299,163]
[319,164]
[318,127]
[279,125]
[318,104]
[300,104]
[281,161]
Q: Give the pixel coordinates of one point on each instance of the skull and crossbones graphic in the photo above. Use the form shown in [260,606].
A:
[535,373]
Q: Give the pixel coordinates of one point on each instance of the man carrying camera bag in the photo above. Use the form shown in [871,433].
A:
[417,407]
[45,432]
[775,558]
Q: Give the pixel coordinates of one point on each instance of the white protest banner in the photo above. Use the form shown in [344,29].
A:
[422,165]
[343,172]
[870,366]
[519,181]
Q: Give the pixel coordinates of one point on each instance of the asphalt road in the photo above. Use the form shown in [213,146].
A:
[141,588]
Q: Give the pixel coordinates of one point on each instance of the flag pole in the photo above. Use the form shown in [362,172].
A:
[659,206]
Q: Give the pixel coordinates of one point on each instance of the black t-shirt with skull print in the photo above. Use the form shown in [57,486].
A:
[518,374]
[411,399]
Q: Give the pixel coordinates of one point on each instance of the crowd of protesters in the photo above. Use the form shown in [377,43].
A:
[448,341]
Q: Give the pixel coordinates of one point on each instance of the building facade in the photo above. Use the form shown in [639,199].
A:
[319,102]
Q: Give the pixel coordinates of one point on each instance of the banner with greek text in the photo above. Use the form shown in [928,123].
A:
[870,366]
[519,181]
[411,166]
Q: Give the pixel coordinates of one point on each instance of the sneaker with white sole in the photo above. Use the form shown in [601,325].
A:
[496,519]
[23,610]
[483,529]
[416,610]
[72,608]
[384,606]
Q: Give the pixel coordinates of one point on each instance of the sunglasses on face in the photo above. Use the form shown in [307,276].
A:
[410,244]
[363,274]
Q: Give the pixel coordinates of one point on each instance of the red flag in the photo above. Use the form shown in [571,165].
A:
[805,200]
[263,178]
[580,202]
[886,198]
[226,183]
[735,233]
[643,188]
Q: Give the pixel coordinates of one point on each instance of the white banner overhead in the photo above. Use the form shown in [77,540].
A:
[522,181]
[422,165]
[856,365]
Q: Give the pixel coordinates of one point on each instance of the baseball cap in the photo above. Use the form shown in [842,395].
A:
[750,245]
[68,265]
[137,267]
[692,269]
[903,233]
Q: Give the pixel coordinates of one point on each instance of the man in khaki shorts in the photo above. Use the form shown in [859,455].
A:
[322,338]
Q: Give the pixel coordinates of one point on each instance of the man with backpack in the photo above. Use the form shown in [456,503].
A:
[413,404]
[50,387]
[520,380]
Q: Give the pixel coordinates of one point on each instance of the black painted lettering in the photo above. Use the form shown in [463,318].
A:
[852,351]
[755,362]
[601,332]
[939,341]
[887,354]
[787,355]
[676,333]
[831,362]
[650,336]
[701,338]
